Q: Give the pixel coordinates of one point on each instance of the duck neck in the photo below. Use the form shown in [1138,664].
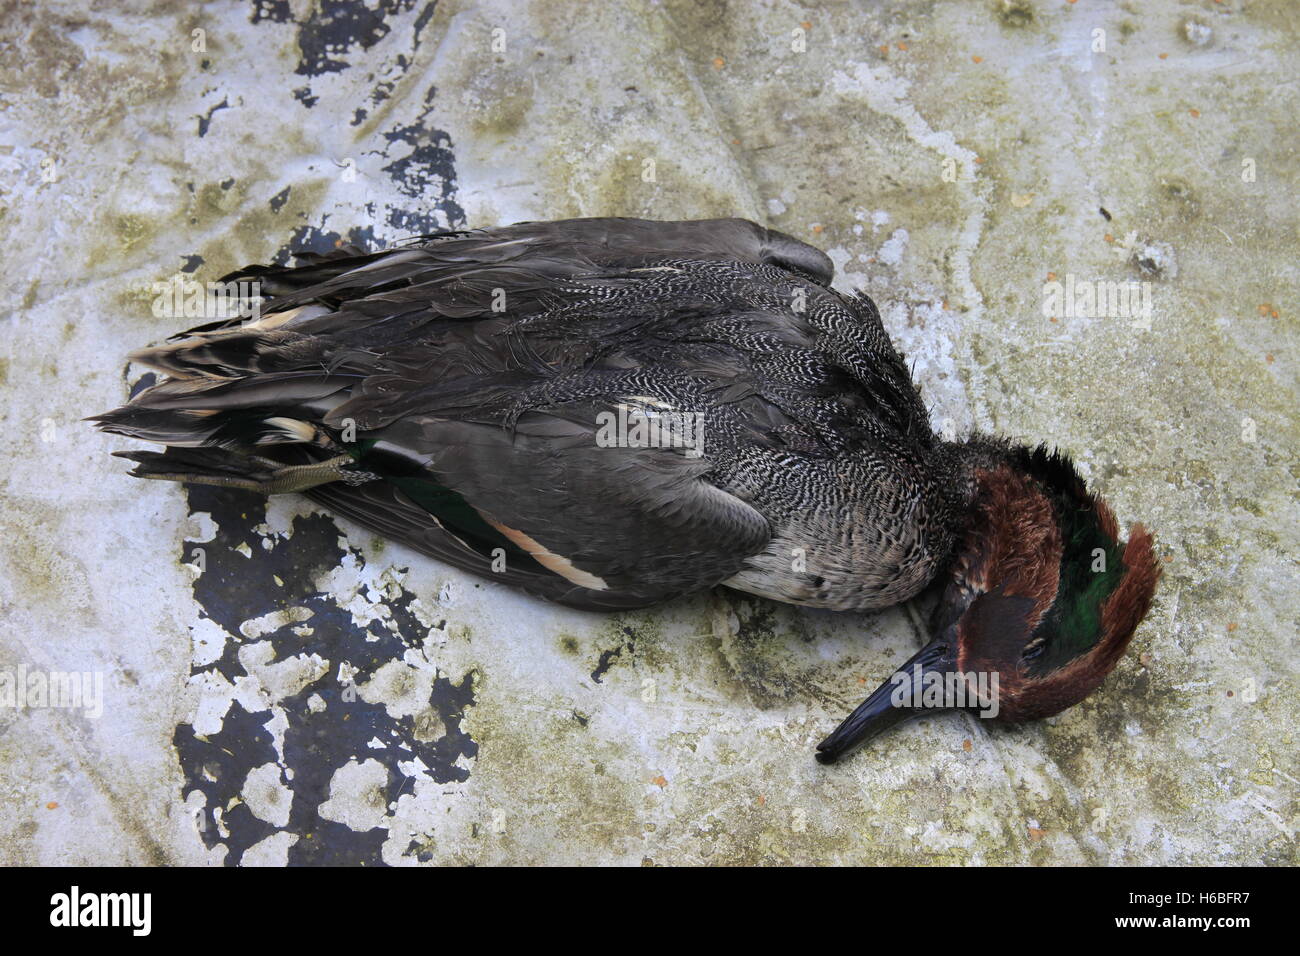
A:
[961,461]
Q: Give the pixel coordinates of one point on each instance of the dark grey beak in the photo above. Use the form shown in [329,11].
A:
[894,701]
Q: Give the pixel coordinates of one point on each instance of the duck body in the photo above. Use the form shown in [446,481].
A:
[610,413]
[476,369]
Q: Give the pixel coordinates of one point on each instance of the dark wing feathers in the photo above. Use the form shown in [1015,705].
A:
[644,521]
[474,366]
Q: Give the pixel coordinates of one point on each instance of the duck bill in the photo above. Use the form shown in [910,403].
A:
[896,700]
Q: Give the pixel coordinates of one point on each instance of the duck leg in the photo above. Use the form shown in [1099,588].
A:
[265,476]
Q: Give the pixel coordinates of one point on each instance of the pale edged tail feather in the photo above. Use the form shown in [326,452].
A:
[234,353]
[231,413]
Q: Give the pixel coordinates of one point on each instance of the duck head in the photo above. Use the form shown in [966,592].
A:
[1042,601]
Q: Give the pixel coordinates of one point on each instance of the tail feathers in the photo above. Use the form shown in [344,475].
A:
[213,355]
[281,318]
[272,390]
[166,426]
[238,429]
[309,269]
[333,279]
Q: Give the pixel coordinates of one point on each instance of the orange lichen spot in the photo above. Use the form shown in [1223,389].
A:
[719,62]
[762,800]
[660,781]
[1053,319]
[977,59]
[1051,277]
[966,745]
[1264,308]
[807,24]
[1232,626]
[979,159]
[1164,56]
[903,47]
[1194,113]
[817,227]
[51,806]
[1108,237]
[1268,359]
[1036,833]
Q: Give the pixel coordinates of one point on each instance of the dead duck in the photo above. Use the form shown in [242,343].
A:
[610,413]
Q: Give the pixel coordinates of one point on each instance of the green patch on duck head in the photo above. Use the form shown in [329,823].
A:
[1091,568]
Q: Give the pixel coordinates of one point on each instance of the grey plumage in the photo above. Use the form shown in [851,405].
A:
[474,369]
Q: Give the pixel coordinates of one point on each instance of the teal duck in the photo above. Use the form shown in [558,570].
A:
[609,413]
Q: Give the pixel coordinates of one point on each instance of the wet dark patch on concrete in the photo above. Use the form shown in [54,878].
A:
[332,31]
[320,240]
[217,766]
[423,852]
[419,156]
[205,120]
[334,27]
[344,728]
[272,11]
[328,723]
[430,161]
[427,172]
[608,657]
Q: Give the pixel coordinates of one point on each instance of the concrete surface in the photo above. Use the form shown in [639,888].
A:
[314,695]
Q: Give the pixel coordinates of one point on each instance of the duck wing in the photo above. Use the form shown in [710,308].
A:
[545,508]
[454,394]
[472,370]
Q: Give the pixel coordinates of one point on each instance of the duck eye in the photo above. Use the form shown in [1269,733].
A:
[1034,648]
